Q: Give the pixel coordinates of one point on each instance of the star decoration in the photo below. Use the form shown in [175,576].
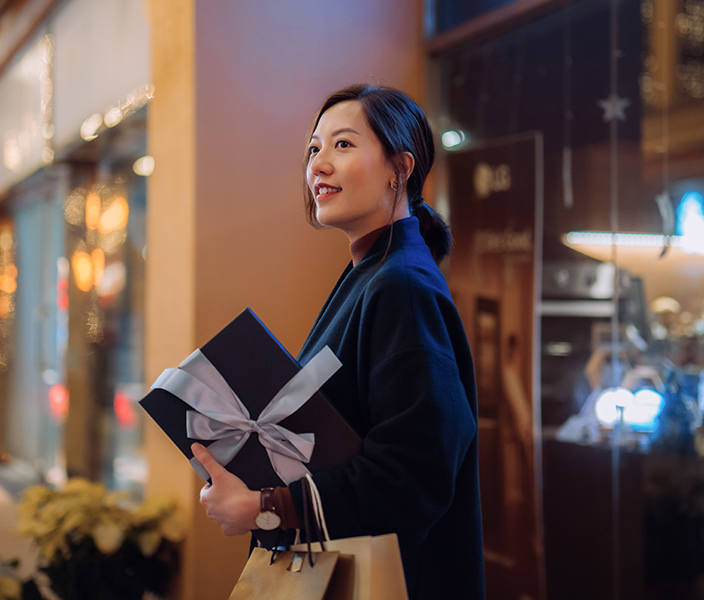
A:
[614,108]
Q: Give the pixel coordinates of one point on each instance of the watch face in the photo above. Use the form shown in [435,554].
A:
[268,520]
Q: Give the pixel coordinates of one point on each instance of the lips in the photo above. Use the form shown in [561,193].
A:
[325,190]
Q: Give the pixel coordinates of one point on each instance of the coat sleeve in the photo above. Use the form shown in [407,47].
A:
[420,417]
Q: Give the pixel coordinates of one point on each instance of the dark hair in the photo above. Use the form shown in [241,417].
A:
[400,125]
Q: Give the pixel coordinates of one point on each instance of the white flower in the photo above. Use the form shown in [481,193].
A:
[108,536]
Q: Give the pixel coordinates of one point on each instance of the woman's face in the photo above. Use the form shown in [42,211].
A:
[348,174]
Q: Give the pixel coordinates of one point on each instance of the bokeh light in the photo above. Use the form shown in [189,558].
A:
[609,404]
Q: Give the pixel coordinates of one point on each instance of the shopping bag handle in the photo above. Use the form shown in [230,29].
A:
[317,505]
[310,503]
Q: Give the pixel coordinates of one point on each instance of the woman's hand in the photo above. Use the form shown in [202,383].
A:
[228,500]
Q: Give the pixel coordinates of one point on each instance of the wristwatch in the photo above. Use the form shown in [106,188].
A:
[267,519]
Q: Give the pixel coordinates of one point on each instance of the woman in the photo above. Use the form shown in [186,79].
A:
[407,382]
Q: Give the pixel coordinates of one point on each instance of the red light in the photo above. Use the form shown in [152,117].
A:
[58,401]
[124,410]
[62,295]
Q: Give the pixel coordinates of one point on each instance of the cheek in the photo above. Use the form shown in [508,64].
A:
[377,172]
[365,175]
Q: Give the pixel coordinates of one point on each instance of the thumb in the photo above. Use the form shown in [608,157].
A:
[214,468]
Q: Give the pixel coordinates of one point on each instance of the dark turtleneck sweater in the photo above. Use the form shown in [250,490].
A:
[407,387]
[282,496]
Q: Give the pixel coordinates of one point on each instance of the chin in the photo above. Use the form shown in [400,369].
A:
[327,219]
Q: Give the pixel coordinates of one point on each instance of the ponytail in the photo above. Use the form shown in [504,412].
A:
[434,230]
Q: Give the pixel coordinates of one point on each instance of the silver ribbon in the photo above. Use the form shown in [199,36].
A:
[221,416]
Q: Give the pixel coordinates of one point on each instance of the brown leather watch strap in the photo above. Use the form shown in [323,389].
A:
[267,503]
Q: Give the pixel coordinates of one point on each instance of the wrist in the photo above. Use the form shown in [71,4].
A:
[253,508]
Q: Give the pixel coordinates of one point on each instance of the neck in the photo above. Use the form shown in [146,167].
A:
[362,245]
[401,211]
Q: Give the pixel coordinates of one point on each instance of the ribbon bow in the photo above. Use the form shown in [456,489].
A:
[221,416]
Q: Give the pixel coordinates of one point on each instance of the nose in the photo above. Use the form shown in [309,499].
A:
[320,164]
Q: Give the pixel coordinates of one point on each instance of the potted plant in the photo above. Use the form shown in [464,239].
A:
[95,545]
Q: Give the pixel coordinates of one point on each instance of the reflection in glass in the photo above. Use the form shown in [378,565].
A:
[627,466]
[33,405]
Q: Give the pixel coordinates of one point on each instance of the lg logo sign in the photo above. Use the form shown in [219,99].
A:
[488,180]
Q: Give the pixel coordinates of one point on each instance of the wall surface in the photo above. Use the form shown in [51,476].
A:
[263,69]
[237,84]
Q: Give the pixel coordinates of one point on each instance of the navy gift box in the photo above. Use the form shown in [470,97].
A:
[256,367]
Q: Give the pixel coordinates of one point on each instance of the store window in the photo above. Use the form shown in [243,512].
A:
[72,258]
[34,325]
[573,174]
[104,215]
[447,14]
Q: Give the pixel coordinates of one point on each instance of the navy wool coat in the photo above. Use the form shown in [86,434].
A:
[407,387]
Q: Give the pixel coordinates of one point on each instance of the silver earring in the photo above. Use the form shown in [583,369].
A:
[394,185]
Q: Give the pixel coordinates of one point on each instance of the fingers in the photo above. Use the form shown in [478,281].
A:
[214,468]
[204,493]
[227,500]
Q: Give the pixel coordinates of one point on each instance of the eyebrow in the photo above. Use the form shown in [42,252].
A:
[338,132]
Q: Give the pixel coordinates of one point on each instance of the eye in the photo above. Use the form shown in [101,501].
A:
[313,150]
[343,144]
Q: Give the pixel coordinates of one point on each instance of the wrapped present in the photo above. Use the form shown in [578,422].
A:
[261,415]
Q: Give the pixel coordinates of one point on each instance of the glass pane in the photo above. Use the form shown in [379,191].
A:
[105,216]
[450,13]
[35,392]
[72,258]
[621,474]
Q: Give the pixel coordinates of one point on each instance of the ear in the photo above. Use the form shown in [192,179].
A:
[405,162]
